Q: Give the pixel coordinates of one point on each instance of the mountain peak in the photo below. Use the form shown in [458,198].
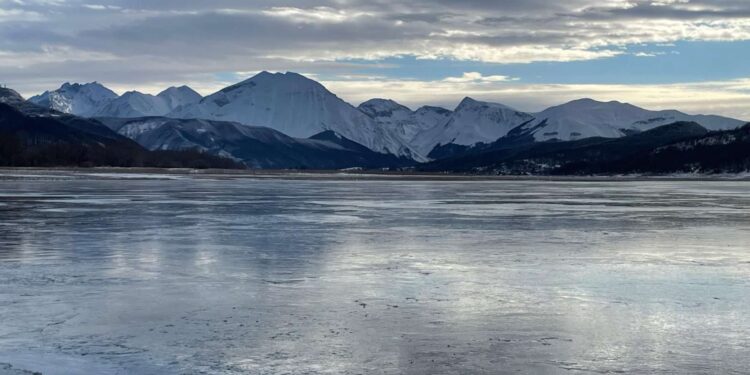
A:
[264,73]
[380,102]
[289,81]
[469,103]
[584,118]
[10,96]
[75,98]
[593,103]
[181,90]
[587,107]
[379,107]
[294,75]
[472,122]
[134,93]
[176,88]
[137,104]
[295,105]
[177,97]
[584,101]
[78,86]
[433,109]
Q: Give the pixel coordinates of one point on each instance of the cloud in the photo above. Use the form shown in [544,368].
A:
[101,7]
[512,31]
[14,15]
[648,54]
[478,77]
[316,14]
[143,44]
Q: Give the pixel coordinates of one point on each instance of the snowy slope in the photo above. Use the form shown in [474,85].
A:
[175,97]
[300,107]
[401,120]
[472,122]
[10,97]
[76,99]
[136,104]
[257,147]
[296,106]
[586,118]
[204,134]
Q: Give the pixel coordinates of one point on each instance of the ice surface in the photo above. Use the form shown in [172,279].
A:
[274,275]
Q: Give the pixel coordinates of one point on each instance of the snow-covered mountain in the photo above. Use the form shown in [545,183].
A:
[10,97]
[95,100]
[137,104]
[296,106]
[474,121]
[300,107]
[179,96]
[403,121]
[386,112]
[470,123]
[256,147]
[134,104]
[74,98]
[586,118]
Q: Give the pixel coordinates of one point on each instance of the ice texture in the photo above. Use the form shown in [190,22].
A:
[293,275]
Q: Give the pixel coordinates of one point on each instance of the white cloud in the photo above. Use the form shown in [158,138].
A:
[661,3]
[101,7]
[20,15]
[648,54]
[315,14]
[478,77]
[513,54]
[49,55]
[144,44]
[327,30]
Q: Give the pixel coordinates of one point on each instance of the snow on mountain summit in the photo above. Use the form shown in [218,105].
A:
[74,98]
[401,120]
[10,96]
[296,106]
[134,104]
[93,99]
[301,107]
[179,96]
[472,122]
[383,108]
[584,118]
[137,104]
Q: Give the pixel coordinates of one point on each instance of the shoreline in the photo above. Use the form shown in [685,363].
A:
[18,172]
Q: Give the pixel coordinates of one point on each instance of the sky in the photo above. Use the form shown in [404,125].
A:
[690,55]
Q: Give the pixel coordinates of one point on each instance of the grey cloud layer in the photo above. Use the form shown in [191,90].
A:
[44,41]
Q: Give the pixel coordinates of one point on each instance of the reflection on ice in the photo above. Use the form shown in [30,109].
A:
[379,276]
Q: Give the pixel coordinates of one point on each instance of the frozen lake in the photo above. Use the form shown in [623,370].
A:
[149,274]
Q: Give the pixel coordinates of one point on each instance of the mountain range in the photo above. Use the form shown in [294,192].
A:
[286,120]
[254,146]
[31,135]
[36,136]
[95,100]
[684,147]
